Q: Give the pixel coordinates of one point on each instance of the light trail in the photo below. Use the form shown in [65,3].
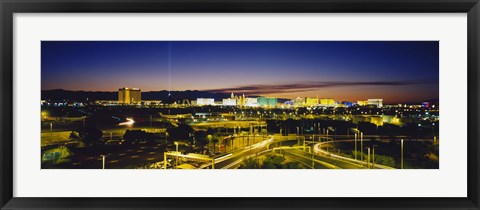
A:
[129,121]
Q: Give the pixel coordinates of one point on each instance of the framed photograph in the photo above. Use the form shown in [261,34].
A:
[239,104]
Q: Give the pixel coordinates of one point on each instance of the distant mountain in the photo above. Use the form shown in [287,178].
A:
[59,94]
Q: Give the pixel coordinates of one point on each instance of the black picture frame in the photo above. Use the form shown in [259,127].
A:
[9,7]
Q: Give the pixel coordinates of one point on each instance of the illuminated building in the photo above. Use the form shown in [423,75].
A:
[299,101]
[205,101]
[392,119]
[426,104]
[267,101]
[311,101]
[375,102]
[377,120]
[374,119]
[229,102]
[362,103]
[232,101]
[347,103]
[129,95]
[240,100]
[251,102]
[327,102]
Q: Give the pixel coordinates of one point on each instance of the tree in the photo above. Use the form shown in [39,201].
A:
[292,165]
[181,132]
[250,163]
[74,136]
[89,135]
[273,162]
[215,141]
[136,135]
[201,137]
[385,160]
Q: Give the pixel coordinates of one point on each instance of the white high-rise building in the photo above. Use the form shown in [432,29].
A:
[229,102]
[205,101]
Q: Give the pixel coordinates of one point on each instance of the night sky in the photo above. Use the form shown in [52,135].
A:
[397,71]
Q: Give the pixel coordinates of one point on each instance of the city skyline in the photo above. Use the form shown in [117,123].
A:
[398,72]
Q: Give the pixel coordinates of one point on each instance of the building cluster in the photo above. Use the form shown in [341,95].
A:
[242,101]
[134,96]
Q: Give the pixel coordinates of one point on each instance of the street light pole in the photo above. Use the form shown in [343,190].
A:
[298,140]
[304,143]
[313,162]
[373,155]
[51,132]
[361,146]
[355,153]
[103,161]
[319,128]
[176,157]
[401,154]
[368,157]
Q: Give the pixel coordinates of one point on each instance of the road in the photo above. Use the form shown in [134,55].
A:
[344,161]
[237,156]
[305,158]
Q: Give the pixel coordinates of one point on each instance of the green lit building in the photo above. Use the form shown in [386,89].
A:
[267,102]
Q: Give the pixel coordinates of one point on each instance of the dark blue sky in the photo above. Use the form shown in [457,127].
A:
[398,71]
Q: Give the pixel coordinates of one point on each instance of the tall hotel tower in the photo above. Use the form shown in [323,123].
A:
[129,95]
